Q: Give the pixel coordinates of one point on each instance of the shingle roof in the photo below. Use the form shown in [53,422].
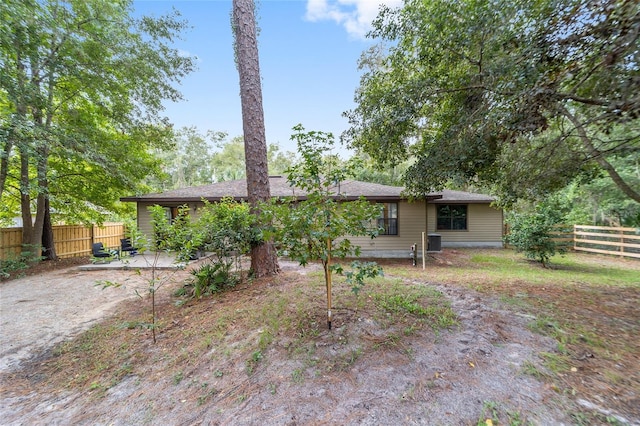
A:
[449,196]
[280,187]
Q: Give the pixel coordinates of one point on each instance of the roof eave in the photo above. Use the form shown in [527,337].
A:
[173,200]
[179,200]
[445,201]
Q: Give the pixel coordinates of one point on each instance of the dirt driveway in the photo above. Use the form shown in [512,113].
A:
[43,309]
[39,311]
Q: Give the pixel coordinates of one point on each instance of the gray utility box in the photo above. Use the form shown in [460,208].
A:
[434,242]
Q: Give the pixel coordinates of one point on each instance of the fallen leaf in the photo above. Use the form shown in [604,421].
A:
[471,364]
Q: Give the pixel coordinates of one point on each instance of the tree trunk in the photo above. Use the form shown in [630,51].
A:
[46,236]
[25,198]
[4,164]
[38,225]
[264,260]
[49,249]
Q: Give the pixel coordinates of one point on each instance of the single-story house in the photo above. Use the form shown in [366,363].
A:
[461,219]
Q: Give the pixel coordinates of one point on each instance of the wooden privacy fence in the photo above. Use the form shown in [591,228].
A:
[607,240]
[69,240]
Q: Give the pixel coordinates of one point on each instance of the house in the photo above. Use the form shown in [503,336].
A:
[461,219]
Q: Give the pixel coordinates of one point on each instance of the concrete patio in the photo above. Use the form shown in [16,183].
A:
[147,260]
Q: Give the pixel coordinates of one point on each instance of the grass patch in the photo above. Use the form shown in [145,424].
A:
[483,269]
[557,363]
[494,413]
[99,358]
[420,303]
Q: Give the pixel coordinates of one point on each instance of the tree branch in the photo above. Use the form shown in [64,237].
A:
[597,155]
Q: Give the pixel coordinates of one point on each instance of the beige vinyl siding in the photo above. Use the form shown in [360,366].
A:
[484,225]
[144,219]
[411,220]
[144,215]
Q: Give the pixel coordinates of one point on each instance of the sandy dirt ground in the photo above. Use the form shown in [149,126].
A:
[36,312]
[448,380]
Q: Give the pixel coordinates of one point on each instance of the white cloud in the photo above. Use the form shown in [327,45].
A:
[355,15]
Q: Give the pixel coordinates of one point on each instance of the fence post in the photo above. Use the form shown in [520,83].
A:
[622,243]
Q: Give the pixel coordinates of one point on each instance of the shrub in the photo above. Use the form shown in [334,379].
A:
[11,265]
[210,278]
[533,233]
[179,235]
[15,264]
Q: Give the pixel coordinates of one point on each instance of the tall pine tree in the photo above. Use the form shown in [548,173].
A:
[264,259]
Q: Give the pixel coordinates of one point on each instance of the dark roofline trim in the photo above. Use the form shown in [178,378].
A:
[380,198]
[183,200]
[353,191]
[433,199]
[449,201]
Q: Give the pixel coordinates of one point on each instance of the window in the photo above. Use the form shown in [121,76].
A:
[388,219]
[168,212]
[171,213]
[452,217]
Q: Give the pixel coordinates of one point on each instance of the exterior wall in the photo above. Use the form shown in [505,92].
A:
[484,228]
[144,216]
[411,224]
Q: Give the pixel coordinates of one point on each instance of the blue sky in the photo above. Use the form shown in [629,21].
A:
[308,59]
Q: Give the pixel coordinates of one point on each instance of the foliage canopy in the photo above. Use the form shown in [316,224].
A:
[518,95]
[80,101]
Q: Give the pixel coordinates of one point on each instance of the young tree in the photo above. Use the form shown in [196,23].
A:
[82,89]
[264,260]
[523,95]
[534,232]
[317,227]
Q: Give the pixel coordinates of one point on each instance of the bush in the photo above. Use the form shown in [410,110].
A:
[16,264]
[210,278]
[224,230]
[11,265]
[533,233]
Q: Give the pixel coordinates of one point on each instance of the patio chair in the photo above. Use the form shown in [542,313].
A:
[100,255]
[126,246]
